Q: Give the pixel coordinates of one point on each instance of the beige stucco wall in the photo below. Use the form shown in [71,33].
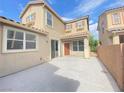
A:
[85,53]
[13,62]
[106,37]
[109,19]
[75,30]
[37,9]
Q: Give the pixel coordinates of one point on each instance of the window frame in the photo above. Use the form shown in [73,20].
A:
[114,19]
[46,11]
[4,41]
[82,26]
[69,28]
[31,17]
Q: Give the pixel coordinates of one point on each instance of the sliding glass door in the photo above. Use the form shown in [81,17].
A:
[54,48]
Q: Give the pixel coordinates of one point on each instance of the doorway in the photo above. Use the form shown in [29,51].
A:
[54,48]
[66,49]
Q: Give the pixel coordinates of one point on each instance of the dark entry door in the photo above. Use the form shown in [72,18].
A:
[54,48]
[66,49]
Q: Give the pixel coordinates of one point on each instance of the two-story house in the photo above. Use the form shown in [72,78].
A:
[111,26]
[41,36]
[65,38]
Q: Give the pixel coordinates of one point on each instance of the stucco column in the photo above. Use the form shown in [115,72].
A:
[86,48]
[116,39]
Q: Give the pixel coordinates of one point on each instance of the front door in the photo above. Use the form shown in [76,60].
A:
[54,48]
[66,49]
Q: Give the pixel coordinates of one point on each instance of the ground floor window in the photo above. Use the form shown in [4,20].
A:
[78,45]
[16,40]
[121,37]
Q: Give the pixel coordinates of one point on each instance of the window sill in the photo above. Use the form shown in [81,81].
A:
[50,27]
[78,29]
[67,30]
[19,51]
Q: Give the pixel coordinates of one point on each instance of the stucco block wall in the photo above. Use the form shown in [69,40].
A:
[113,58]
[13,62]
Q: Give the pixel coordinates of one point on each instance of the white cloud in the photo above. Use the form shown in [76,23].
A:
[91,22]
[86,7]
[66,19]
[93,30]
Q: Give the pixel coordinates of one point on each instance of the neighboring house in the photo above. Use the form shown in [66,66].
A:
[41,36]
[111,26]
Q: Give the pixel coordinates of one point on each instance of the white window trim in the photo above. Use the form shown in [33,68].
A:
[46,19]
[4,41]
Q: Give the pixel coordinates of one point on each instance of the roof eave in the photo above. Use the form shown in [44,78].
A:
[14,24]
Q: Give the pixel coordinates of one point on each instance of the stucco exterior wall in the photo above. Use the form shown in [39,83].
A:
[54,33]
[58,28]
[13,62]
[37,9]
[85,53]
[112,57]
[74,28]
[109,19]
[105,36]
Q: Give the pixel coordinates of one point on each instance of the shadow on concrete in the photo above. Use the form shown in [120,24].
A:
[42,78]
[109,76]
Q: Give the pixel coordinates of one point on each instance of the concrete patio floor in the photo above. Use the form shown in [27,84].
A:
[62,75]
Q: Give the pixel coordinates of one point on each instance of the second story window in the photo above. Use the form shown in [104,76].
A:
[49,19]
[30,17]
[68,26]
[116,19]
[79,24]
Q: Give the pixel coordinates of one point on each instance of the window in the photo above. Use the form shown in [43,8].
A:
[14,40]
[121,37]
[103,26]
[68,26]
[116,18]
[30,41]
[17,41]
[78,46]
[31,17]
[81,46]
[79,24]
[49,19]
[75,48]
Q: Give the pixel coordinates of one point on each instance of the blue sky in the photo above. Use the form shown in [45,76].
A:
[67,9]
